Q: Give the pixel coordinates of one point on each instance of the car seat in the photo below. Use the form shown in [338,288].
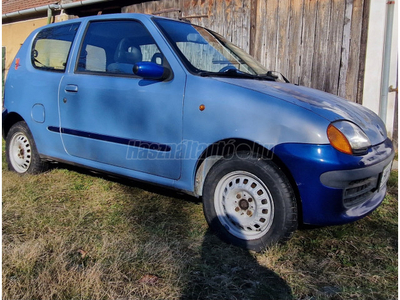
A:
[126,56]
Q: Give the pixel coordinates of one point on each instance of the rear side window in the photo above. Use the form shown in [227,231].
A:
[51,47]
[115,46]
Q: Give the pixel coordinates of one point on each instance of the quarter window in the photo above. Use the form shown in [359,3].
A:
[51,47]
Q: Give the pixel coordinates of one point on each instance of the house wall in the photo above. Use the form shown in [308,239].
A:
[14,34]
[374,63]
[9,6]
[392,111]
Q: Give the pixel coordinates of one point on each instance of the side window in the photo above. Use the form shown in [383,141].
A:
[51,47]
[114,47]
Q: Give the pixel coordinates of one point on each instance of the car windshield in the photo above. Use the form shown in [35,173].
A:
[207,53]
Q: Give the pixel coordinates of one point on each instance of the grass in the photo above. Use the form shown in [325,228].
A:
[72,235]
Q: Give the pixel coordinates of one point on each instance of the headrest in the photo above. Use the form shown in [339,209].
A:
[127,53]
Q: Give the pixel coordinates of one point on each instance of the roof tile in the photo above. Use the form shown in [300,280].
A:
[10,6]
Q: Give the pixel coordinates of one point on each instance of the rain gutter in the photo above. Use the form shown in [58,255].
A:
[49,9]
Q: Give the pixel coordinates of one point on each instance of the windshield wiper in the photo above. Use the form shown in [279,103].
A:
[229,73]
[234,73]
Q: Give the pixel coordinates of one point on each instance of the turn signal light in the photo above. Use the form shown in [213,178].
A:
[338,140]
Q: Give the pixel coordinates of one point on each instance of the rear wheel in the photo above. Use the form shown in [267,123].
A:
[21,153]
[249,202]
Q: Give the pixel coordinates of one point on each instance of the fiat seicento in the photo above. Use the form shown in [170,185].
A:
[177,105]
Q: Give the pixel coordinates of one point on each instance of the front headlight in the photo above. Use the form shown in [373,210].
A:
[348,138]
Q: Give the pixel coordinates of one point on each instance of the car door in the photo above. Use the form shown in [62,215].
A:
[109,115]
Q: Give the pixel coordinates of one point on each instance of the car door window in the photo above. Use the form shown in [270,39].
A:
[51,47]
[114,47]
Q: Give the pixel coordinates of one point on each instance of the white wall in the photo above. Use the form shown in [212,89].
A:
[374,60]
[393,72]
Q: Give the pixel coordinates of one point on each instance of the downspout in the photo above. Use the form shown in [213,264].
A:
[383,105]
[49,15]
[49,9]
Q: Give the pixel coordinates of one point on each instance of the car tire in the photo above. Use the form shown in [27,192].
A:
[249,202]
[21,153]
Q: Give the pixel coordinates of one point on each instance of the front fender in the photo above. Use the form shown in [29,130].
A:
[233,111]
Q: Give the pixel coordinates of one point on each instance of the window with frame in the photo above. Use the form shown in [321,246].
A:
[115,46]
[51,47]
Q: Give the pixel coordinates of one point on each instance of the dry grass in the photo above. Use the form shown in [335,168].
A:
[70,235]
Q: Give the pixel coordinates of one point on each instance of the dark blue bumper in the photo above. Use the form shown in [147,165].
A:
[336,188]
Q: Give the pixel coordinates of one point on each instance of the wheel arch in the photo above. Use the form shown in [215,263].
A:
[9,121]
[216,151]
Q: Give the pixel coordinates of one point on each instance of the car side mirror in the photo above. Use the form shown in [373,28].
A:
[150,70]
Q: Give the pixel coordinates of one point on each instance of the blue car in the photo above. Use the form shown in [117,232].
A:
[177,105]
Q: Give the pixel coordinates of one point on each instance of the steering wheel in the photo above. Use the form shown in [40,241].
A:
[227,68]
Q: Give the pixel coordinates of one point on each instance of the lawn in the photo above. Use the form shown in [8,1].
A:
[69,234]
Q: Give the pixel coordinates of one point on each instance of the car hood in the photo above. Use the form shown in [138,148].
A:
[328,106]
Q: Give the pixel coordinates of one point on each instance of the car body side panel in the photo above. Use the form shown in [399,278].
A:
[26,89]
[328,106]
[128,121]
[233,113]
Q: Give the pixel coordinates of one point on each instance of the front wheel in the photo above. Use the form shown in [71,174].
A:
[22,156]
[249,202]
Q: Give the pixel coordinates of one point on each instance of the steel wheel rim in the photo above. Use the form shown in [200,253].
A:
[20,153]
[244,205]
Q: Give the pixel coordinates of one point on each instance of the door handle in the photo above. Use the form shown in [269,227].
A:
[71,88]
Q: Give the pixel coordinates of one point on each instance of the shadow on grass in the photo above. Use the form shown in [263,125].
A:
[210,270]
[227,272]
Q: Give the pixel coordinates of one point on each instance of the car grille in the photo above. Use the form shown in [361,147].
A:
[359,191]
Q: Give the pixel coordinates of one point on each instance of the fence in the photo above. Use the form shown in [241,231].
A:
[316,43]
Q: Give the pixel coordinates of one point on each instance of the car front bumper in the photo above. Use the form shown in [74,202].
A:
[337,188]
